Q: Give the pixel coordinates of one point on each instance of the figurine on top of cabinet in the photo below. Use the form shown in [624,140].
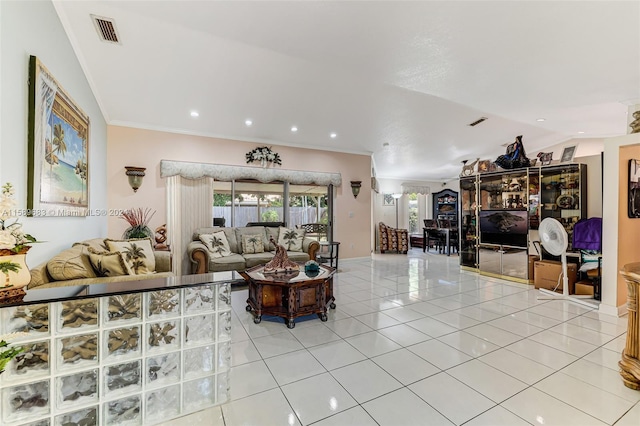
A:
[468,169]
[515,156]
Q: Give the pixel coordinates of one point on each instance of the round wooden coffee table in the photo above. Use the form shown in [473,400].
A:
[289,295]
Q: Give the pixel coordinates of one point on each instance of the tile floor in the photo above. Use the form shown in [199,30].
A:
[416,341]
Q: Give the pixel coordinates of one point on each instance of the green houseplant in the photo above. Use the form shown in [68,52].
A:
[138,220]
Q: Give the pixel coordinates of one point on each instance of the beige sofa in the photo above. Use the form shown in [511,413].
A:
[202,261]
[72,267]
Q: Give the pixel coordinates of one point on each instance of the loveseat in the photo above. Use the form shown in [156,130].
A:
[245,247]
[93,262]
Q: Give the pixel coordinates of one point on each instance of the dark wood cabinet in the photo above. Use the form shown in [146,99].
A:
[445,206]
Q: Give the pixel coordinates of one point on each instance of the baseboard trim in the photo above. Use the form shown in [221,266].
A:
[615,311]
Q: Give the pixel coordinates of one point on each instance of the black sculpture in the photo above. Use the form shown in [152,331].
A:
[515,156]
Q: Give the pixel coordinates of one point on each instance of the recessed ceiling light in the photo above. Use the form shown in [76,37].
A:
[248,123]
[333,135]
[195,114]
[580,132]
[294,129]
[540,119]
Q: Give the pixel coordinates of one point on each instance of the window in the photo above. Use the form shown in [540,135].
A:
[307,204]
[414,225]
[241,202]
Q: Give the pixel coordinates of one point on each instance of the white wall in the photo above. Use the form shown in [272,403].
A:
[33,28]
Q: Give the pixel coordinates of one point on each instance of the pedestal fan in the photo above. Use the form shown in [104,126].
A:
[555,240]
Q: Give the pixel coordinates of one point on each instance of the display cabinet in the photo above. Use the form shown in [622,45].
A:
[504,224]
[563,191]
[445,205]
[468,223]
[510,203]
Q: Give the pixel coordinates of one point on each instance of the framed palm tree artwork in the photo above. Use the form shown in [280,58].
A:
[58,144]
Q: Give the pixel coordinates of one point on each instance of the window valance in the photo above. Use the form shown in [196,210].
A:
[227,173]
[409,188]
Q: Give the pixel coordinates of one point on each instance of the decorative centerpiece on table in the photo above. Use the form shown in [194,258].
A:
[7,353]
[280,262]
[14,244]
[138,220]
[264,155]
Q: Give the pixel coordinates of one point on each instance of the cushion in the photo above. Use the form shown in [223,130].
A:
[137,252]
[97,244]
[71,264]
[241,231]
[108,264]
[230,233]
[252,244]
[216,243]
[291,239]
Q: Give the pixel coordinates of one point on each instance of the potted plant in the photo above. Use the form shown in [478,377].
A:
[138,220]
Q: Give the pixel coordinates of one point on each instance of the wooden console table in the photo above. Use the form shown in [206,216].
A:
[289,295]
[630,362]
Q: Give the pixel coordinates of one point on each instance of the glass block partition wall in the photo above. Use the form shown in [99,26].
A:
[126,359]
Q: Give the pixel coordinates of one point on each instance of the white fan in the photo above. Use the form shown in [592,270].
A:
[555,240]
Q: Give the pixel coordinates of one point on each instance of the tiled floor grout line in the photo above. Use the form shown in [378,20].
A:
[567,316]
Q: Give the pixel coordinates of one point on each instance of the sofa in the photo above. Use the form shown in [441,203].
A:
[243,250]
[93,262]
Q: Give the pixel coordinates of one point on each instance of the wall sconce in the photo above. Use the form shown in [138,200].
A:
[355,187]
[135,175]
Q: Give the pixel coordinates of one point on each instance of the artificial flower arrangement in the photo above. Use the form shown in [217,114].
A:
[11,235]
[264,154]
[138,220]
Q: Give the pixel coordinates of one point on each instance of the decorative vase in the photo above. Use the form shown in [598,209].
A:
[16,274]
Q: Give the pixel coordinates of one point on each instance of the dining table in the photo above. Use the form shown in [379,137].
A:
[443,231]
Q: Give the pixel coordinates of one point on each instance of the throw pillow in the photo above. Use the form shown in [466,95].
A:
[137,252]
[291,239]
[252,244]
[108,264]
[216,243]
[71,264]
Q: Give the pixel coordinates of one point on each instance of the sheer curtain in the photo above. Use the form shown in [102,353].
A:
[189,206]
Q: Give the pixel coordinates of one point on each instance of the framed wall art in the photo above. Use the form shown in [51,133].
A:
[634,189]
[568,153]
[58,139]
[388,200]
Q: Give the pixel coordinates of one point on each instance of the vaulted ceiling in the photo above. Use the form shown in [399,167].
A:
[398,80]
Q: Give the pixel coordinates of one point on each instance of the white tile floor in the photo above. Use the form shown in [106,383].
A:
[416,341]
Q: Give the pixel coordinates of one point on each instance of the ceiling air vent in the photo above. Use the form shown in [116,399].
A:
[106,28]
[478,121]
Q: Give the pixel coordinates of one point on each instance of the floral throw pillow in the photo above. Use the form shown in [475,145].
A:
[252,244]
[291,239]
[217,244]
[137,252]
